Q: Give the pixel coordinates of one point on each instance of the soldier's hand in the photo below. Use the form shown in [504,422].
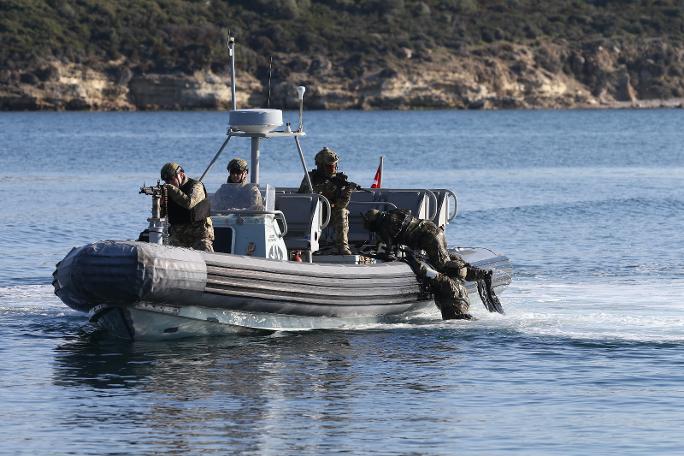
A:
[173,192]
[345,196]
[171,189]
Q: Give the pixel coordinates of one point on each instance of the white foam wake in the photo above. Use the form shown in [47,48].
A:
[31,299]
[652,312]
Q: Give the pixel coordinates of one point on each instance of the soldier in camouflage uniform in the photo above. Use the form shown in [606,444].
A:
[187,210]
[399,227]
[450,294]
[237,193]
[334,186]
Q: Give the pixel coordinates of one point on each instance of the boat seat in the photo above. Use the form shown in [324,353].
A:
[360,203]
[304,218]
[417,201]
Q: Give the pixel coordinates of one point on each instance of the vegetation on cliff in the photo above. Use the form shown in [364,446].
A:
[137,37]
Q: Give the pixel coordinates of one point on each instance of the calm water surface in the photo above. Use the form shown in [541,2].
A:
[589,357]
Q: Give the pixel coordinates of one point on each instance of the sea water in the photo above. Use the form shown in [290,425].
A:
[588,359]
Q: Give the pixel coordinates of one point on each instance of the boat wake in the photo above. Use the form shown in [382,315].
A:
[601,310]
[32,299]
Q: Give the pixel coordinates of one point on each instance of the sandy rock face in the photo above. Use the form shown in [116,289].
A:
[496,76]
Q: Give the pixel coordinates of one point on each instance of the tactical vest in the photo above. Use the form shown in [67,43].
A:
[178,215]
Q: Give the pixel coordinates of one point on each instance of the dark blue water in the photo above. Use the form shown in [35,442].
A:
[588,358]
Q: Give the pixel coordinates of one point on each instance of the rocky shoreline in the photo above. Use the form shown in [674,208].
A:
[551,75]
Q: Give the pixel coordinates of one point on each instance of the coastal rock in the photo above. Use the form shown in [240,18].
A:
[170,92]
[545,74]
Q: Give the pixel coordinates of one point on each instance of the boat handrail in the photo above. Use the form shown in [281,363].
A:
[277,214]
[443,196]
[453,195]
[429,193]
[328,211]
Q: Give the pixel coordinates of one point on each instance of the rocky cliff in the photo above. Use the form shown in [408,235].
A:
[375,54]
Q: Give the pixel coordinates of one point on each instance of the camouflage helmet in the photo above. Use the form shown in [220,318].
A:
[169,170]
[326,156]
[370,218]
[237,164]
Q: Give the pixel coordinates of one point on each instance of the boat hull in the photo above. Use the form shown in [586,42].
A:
[140,290]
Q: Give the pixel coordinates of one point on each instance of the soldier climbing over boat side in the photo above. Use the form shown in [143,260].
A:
[187,209]
[237,193]
[451,296]
[399,227]
[337,189]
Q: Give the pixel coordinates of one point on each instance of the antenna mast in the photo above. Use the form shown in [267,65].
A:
[231,53]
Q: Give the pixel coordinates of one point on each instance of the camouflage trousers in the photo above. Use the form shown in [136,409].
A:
[458,268]
[450,296]
[339,220]
[198,235]
[431,239]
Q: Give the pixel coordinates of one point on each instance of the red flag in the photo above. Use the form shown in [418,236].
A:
[377,180]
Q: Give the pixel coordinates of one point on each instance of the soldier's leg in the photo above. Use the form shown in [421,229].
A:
[451,297]
[206,245]
[181,236]
[203,240]
[203,237]
[340,221]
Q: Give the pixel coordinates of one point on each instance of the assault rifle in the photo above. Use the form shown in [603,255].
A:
[155,231]
[153,190]
[342,181]
[159,199]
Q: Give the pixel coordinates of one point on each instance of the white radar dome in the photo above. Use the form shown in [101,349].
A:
[255,120]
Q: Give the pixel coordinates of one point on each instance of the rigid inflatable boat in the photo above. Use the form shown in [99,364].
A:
[269,271]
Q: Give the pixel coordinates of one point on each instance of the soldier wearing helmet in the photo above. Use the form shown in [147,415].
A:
[187,210]
[237,171]
[334,186]
[399,227]
[237,193]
